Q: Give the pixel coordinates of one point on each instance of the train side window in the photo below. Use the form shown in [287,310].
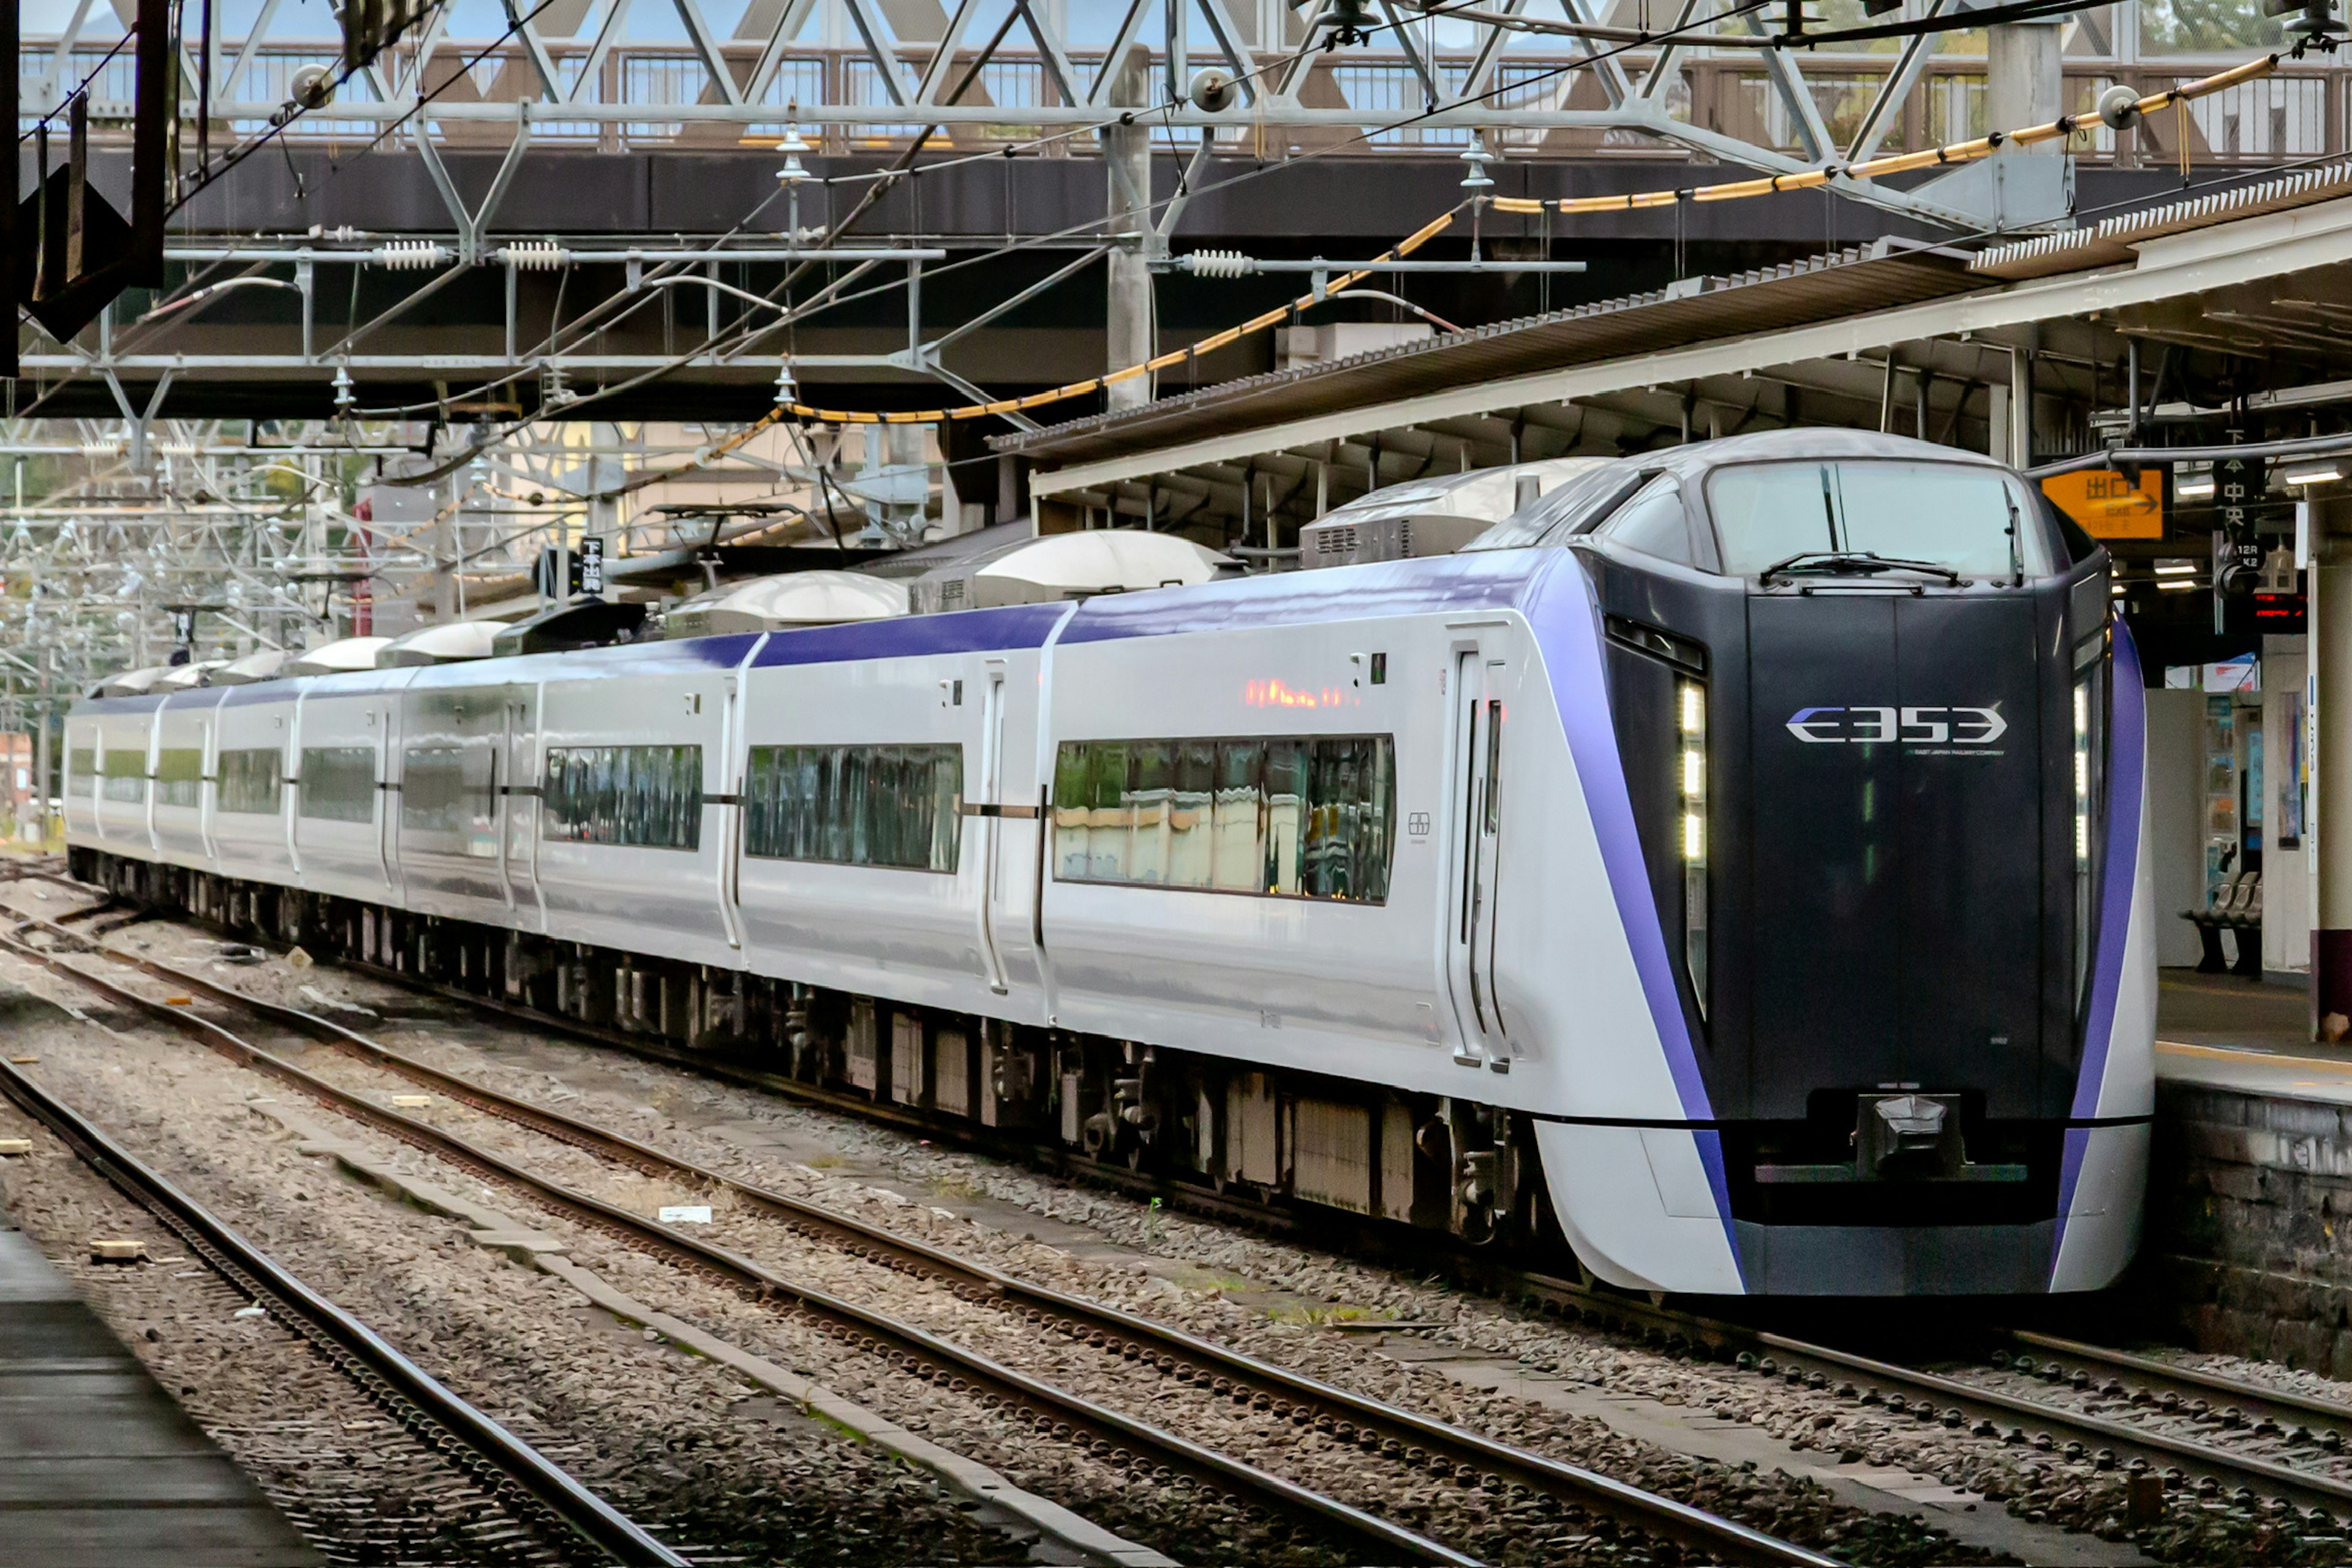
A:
[1346,852]
[1192,815]
[1288,817]
[338,783]
[1654,523]
[81,771]
[125,772]
[448,789]
[894,808]
[252,782]
[180,776]
[642,798]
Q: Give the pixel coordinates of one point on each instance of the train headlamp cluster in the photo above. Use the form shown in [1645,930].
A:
[1690,734]
[2081,774]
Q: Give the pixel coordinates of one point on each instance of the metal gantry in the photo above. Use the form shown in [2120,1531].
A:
[228,538]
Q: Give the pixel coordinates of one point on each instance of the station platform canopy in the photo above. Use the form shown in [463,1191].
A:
[2230,298]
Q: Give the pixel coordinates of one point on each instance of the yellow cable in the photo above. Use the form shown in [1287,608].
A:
[1209,344]
[1895,164]
[1733,190]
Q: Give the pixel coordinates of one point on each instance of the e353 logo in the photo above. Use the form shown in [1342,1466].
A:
[1898,726]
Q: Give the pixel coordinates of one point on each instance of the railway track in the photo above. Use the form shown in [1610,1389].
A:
[410,1394]
[2110,1441]
[1388,1434]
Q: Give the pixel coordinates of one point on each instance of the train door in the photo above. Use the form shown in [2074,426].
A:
[731,758]
[998,921]
[387,719]
[1475,691]
[207,770]
[289,779]
[518,787]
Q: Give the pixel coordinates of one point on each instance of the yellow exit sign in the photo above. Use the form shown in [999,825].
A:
[2108,505]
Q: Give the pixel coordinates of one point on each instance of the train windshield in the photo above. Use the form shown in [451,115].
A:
[1953,517]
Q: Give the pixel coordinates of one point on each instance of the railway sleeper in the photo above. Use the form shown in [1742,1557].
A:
[1271,1135]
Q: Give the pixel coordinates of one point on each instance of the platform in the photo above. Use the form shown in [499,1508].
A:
[2250,1177]
[98,1465]
[2216,1031]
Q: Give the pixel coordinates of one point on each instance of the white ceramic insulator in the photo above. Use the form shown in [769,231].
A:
[412,254]
[1220,264]
[536,256]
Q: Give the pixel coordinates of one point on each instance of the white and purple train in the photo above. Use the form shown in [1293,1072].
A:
[1731,868]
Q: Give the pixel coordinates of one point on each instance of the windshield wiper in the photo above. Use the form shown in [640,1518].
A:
[1852,563]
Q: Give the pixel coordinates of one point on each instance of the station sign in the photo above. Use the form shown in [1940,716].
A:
[2110,505]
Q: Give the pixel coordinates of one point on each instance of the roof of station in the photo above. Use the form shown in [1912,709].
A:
[2204,272]
[1821,287]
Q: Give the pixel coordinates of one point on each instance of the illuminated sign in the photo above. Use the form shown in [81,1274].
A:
[1909,726]
[1277,693]
[2108,505]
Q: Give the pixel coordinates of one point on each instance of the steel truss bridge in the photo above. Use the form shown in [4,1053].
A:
[521,207]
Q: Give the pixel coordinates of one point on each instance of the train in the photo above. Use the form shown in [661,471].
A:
[1729,871]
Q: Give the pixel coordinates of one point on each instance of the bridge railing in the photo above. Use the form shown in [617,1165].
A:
[641,96]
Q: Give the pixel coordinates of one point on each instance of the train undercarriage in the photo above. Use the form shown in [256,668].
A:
[1276,1137]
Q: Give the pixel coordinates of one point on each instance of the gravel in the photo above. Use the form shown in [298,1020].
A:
[1188,1272]
[684,1448]
[358,1486]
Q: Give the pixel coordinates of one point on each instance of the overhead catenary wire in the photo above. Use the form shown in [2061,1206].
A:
[1209,344]
[1895,164]
[735,341]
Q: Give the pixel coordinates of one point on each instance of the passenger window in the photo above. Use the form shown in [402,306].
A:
[126,775]
[1292,817]
[250,782]
[180,776]
[81,771]
[645,797]
[1653,522]
[447,790]
[339,783]
[893,806]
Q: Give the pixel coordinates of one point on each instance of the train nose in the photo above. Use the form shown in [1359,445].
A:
[1899,840]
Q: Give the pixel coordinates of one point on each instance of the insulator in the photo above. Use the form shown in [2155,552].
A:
[1220,264]
[102,448]
[412,254]
[535,256]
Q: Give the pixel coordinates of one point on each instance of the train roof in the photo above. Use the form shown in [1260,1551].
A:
[1435,584]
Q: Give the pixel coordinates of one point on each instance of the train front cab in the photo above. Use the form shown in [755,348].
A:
[1890,817]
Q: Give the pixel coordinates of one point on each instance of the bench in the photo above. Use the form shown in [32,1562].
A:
[2238,908]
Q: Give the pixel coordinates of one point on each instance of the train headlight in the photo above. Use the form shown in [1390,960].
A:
[2087,714]
[2082,775]
[1690,701]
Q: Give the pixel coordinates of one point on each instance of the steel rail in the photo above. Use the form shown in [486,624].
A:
[1960,1403]
[1584,1489]
[577,1507]
[1153,1443]
[2282,1404]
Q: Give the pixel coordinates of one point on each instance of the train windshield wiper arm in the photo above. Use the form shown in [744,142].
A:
[1852,564]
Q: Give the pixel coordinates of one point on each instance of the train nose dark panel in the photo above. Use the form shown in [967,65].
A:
[1894,747]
